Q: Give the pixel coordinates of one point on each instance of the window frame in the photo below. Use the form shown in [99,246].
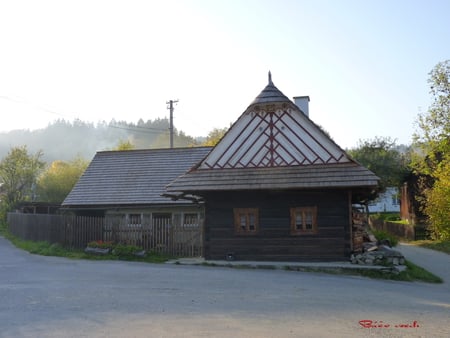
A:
[312,210]
[134,220]
[395,200]
[247,213]
[188,217]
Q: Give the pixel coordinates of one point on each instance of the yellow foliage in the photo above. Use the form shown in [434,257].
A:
[438,202]
[59,179]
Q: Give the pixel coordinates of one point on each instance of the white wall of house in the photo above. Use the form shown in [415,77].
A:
[389,201]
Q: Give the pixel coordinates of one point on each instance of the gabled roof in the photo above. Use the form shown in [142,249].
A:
[273,132]
[274,145]
[134,177]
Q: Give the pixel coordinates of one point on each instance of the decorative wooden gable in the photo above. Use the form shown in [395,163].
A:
[273,132]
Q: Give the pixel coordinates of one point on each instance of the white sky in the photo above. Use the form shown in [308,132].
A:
[364,64]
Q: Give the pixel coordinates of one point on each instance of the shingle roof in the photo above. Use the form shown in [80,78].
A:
[297,177]
[270,94]
[134,177]
[273,145]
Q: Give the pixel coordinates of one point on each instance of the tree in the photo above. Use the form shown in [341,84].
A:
[59,179]
[124,145]
[214,137]
[180,139]
[18,173]
[434,133]
[381,156]
[432,161]
[437,202]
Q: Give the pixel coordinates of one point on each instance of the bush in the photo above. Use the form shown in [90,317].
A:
[123,250]
[383,235]
[3,227]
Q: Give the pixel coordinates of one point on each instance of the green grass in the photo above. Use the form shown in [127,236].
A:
[380,235]
[416,273]
[442,245]
[413,273]
[47,249]
[386,216]
[402,221]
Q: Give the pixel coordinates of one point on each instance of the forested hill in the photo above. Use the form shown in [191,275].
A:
[64,140]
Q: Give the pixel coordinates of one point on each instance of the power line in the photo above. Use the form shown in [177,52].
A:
[141,129]
[138,129]
[40,107]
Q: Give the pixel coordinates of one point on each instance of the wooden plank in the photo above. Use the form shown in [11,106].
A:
[76,231]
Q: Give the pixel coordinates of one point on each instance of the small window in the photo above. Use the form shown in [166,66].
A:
[134,220]
[190,220]
[303,220]
[395,200]
[246,220]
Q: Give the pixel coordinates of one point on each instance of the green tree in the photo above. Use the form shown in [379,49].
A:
[432,160]
[180,139]
[18,173]
[59,179]
[124,145]
[381,156]
[434,125]
[214,136]
[437,202]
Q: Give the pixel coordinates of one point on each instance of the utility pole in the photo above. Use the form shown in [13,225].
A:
[170,107]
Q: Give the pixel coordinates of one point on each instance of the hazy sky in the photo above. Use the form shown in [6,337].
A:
[363,63]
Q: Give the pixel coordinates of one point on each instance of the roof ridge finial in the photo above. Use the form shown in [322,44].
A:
[270,78]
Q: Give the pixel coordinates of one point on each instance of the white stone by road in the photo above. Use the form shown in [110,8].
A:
[57,297]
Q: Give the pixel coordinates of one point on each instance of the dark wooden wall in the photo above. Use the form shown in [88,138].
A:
[274,241]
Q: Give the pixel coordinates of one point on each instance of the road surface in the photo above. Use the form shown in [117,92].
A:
[58,297]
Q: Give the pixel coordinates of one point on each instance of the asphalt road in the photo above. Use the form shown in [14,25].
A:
[434,261]
[57,297]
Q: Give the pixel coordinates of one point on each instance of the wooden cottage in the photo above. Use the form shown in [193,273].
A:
[276,187]
[130,184]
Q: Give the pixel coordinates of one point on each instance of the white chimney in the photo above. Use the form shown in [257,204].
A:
[302,102]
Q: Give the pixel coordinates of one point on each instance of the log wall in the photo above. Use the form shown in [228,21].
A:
[274,241]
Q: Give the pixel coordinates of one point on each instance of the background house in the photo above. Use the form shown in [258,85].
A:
[276,187]
[388,201]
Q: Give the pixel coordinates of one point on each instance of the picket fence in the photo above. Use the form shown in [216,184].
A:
[158,235]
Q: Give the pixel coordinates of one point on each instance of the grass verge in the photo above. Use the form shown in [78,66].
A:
[443,246]
[47,249]
[413,273]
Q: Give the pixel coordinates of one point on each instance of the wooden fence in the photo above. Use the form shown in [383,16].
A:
[159,235]
[405,231]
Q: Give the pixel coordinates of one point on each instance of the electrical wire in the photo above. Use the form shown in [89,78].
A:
[139,130]
[130,128]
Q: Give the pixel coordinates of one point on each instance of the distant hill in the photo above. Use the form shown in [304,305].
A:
[64,140]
